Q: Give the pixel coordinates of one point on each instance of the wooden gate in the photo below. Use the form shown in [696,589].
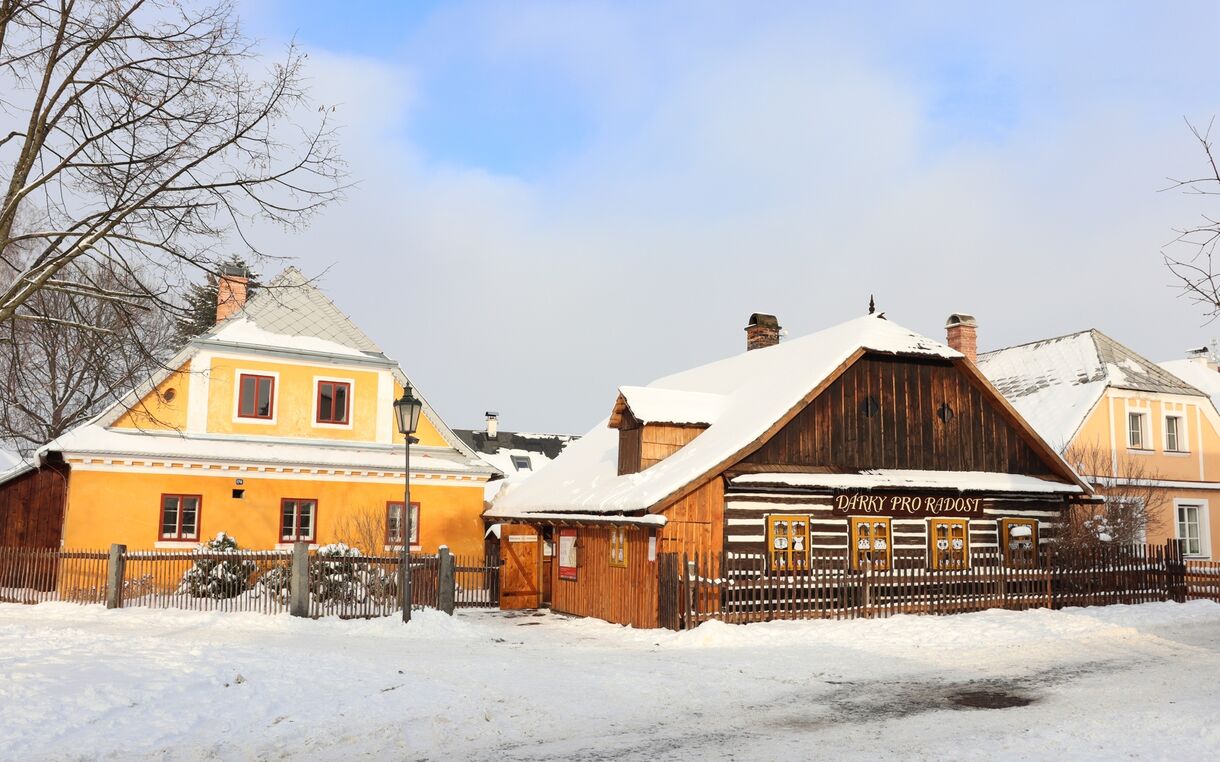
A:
[519,567]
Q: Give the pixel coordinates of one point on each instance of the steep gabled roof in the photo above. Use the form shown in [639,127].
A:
[760,390]
[288,314]
[1055,383]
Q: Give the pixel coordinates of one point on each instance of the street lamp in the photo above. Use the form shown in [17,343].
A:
[406,414]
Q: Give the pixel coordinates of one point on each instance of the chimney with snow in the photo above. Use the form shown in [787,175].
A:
[493,424]
[762,331]
[962,332]
[230,292]
[1203,356]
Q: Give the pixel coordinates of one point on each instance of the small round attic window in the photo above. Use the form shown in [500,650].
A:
[169,394]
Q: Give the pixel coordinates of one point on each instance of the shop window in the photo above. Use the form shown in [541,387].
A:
[334,399]
[256,397]
[1019,540]
[618,546]
[298,520]
[788,542]
[180,517]
[393,524]
[949,543]
[870,542]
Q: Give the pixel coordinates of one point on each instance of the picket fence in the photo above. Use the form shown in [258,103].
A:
[740,588]
[243,581]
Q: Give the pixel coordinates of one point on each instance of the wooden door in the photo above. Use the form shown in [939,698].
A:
[519,567]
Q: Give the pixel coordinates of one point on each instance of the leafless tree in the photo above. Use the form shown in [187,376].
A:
[1134,503]
[55,375]
[364,528]
[142,135]
[1195,269]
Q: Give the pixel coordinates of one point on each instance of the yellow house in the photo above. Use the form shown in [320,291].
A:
[275,426]
[1126,424]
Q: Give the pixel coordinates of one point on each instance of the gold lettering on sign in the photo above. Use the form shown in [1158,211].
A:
[857,503]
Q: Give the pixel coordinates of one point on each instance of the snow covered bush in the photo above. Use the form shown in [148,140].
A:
[341,574]
[275,582]
[217,578]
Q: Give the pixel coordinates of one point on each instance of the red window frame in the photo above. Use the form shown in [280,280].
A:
[347,402]
[295,534]
[241,396]
[178,535]
[394,537]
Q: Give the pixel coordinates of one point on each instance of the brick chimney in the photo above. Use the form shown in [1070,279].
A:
[230,292]
[762,331]
[962,333]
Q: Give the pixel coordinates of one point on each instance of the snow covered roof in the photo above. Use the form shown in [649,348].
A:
[1199,373]
[517,455]
[758,388]
[1054,383]
[93,439]
[677,406]
[962,481]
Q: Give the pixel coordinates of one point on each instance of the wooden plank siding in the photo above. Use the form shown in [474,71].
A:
[32,508]
[695,524]
[903,429]
[659,441]
[624,595]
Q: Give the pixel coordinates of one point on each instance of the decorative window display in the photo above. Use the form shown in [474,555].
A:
[567,554]
[1019,540]
[949,543]
[618,546]
[788,542]
[870,542]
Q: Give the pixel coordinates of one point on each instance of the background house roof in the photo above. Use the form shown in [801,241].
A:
[1055,383]
[506,450]
[759,388]
[1199,373]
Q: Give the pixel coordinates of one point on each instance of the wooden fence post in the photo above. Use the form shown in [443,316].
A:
[867,587]
[298,587]
[114,576]
[690,594]
[446,581]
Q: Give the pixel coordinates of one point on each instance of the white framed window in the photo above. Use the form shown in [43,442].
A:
[1137,431]
[254,396]
[1191,526]
[1175,434]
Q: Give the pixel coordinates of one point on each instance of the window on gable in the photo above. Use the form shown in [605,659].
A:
[1174,434]
[949,543]
[1137,431]
[618,546]
[333,401]
[256,396]
[180,517]
[393,524]
[522,463]
[788,542]
[1019,542]
[298,520]
[870,542]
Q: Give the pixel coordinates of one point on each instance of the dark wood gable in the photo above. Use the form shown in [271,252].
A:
[902,412]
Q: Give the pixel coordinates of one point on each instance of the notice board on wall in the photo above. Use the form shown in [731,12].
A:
[567,554]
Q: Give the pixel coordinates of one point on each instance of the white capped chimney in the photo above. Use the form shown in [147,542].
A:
[493,424]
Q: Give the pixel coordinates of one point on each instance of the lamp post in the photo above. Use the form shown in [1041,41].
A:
[406,414]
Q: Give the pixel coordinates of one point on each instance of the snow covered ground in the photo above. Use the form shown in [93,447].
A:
[1104,683]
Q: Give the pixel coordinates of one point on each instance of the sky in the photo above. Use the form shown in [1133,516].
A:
[553,199]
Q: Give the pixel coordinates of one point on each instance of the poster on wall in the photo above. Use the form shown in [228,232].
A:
[567,554]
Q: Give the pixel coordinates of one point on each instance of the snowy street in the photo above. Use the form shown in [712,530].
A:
[1122,681]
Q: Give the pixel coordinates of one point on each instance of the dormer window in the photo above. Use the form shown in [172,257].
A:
[256,397]
[522,463]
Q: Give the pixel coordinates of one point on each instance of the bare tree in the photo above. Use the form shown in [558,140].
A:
[1134,502]
[1196,269]
[139,134]
[364,529]
[55,375]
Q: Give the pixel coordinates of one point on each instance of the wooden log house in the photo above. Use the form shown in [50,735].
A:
[864,441]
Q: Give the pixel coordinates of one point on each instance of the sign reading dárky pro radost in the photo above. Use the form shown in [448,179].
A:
[895,504]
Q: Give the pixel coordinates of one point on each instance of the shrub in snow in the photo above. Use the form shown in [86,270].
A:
[341,574]
[275,581]
[217,578]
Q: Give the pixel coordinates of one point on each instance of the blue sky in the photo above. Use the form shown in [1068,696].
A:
[595,194]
